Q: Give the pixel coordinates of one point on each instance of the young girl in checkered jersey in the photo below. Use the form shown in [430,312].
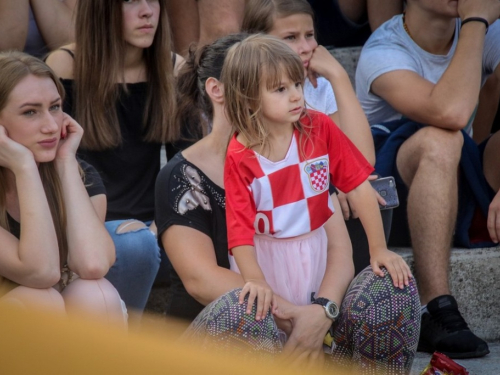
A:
[283,236]
[328,89]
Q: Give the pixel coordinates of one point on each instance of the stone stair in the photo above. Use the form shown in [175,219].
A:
[475,283]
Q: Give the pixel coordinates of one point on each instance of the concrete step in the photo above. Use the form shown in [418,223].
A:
[347,57]
[475,283]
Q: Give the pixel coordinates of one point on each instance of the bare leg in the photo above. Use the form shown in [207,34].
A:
[183,17]
[95,298]
[31,299]
[428,164]
[219,18]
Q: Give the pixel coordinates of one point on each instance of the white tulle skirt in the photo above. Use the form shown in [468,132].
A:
[293,267]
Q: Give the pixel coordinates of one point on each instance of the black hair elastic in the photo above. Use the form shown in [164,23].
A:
[476,19]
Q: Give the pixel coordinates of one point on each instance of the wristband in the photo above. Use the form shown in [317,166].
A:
[476,19]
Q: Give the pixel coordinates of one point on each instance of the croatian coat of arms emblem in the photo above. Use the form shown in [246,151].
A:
[317,172]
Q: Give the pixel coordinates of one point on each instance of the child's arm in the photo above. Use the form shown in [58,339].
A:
[240,214]
[255,282]
[350,116]
[365,203]
[339,267]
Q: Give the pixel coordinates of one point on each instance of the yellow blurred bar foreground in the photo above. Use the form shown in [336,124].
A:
[42,343]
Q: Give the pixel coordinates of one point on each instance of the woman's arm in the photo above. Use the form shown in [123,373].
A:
[192,255]
[33,260]
[91,250]
[350,117]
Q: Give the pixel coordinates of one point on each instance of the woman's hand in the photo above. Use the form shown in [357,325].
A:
[265,297]
[71,135]
[309,327]
[13,154]
[394,263]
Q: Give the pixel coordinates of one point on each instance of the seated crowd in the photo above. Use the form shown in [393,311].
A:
[264,220]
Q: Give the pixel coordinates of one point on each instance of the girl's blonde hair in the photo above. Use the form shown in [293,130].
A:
[260,15]
[99,66]
[258,62]
[14,67]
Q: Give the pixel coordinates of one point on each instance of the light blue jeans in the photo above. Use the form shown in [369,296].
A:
[136,265]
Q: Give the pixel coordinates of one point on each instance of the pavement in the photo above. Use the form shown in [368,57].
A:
[488,365]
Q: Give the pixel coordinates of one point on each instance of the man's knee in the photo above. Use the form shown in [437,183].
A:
[429,148]
[441,147]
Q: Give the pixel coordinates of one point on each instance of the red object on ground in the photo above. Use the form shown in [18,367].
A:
[442,365]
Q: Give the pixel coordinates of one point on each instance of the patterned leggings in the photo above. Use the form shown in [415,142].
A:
[377,329]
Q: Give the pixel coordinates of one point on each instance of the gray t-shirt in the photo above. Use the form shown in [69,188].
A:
[321,98]
[390,48]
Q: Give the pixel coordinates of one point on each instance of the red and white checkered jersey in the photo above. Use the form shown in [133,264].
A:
[290,197]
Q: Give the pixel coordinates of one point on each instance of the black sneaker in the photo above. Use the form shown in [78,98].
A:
[444,330]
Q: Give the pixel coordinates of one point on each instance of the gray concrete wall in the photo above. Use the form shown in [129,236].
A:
[475,283]
[348,58]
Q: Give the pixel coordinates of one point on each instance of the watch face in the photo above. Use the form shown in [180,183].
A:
[332,310]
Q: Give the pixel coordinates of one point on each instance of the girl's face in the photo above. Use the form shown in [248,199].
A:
[297,31]
[282,105]
[33,116]
[140,21]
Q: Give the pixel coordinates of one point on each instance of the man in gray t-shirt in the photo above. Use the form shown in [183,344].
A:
[425,69]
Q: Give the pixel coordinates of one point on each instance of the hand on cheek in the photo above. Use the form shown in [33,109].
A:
[71,135]
[12,154]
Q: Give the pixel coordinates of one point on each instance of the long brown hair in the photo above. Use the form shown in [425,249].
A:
[194,107]
[260,15]
[14,66]
[99,66]
[258,61]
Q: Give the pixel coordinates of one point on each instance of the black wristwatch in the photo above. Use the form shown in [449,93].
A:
[331,308]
